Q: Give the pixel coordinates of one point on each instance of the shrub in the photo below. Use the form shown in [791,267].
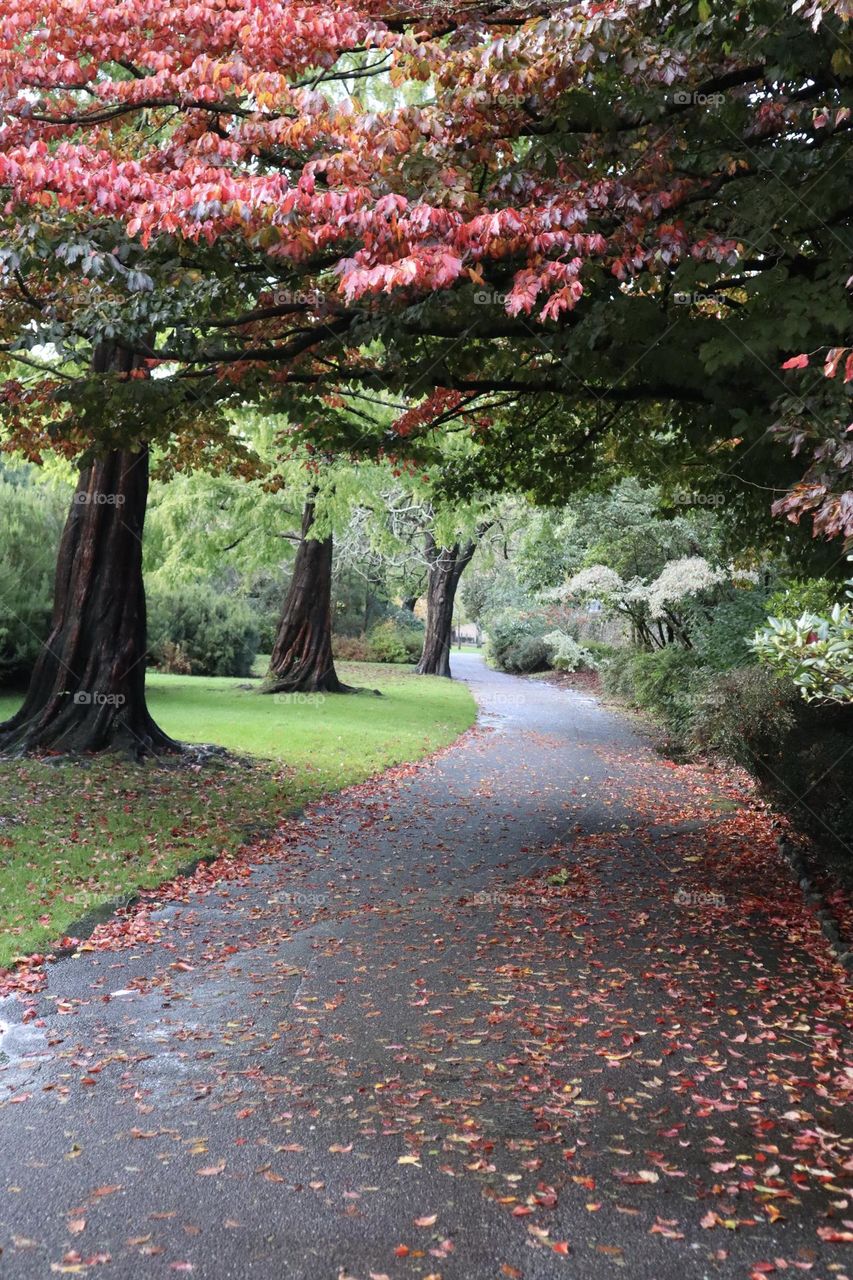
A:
[599,650]
[746,716]
[394,640]
[800,752]
[566,654]
[351,649]
[391,642]
[173,660]
[723,639]
[815,652]
[264,595]
[215,634]
[803,595]
[516,641]
[528,653]
[662,682]
[617,673]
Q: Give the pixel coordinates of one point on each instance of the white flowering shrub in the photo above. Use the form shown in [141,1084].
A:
[680,579]
[815,651]
[598,582]
[566,654]
[662,612]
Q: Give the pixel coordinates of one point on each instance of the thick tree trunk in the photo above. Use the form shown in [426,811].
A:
[446,566]
[302,656]
[87,691]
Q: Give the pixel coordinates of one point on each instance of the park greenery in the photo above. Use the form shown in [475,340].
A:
[79,834]
[329,328]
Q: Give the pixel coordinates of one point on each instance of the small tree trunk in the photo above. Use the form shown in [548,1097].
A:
[302,655]
[409,603]
[87,691]
[446,565]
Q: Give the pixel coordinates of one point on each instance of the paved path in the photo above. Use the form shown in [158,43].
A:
[545,1006]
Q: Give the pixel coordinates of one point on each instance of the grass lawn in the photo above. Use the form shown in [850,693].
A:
[73,836]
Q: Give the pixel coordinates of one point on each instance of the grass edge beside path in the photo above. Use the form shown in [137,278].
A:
[76,835]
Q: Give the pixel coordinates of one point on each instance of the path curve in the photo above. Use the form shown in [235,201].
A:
[546,1005]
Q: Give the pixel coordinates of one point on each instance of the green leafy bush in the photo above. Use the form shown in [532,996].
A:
[566,654]
[722,640]
[396,639]
[803,595]
[753,717]
[815,651]
[600,650]
[529,653]
[745,715]
[799,751]
[193,625]
[516,641]
[617,673]
[390,641]
[661,682]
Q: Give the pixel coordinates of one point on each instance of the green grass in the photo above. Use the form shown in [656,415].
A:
[73,836]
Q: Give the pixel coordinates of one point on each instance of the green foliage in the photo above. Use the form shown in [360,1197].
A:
[599,650]
[485,592]
[815,652]
[529,653]
[548,548]
[194,626]
[660,682]
[263,592]
[752,717]
[628,530]
[566,654]
[390,641]
[722,637]
[398,638]
[516,641]
[31,519]
[745,715]
[803,595]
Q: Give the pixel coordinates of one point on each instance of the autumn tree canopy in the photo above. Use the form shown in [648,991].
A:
[609,204]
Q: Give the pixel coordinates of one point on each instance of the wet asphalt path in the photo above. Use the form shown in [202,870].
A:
[543,1006]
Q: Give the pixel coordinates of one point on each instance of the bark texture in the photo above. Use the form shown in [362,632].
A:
[87,691]
[446,566]
[302,656]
